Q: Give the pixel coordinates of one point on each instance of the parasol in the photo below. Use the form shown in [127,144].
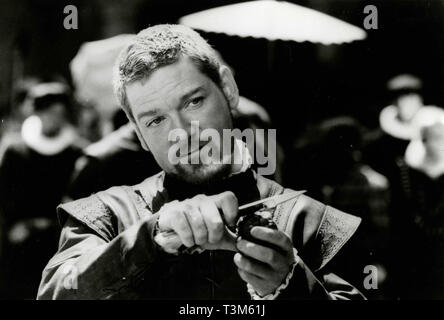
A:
[274,20]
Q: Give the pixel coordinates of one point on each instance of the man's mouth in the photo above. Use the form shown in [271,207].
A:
[196,150]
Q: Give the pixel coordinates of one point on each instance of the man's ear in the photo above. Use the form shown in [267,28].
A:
[229,86]
[139,135]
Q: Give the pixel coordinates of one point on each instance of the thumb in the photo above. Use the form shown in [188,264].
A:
[228,204]
[228,242]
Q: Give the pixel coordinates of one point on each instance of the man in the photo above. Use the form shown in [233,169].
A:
[167,79]
[35,167]
[399,123]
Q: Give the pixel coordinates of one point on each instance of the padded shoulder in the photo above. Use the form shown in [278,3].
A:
[90,211]
[111,211]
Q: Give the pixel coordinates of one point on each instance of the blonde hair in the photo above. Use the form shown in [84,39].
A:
[159,46]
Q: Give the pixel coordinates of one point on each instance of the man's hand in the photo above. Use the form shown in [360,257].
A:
[202,220]
[263,267]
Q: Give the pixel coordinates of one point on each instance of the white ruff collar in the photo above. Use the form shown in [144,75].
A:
[33,137]
[415,154]
[390,124]
[416,158]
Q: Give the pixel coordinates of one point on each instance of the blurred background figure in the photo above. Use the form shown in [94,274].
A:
[92,72]
[117,159]
[21,107]
[399,122]
[419,216]
[35,167]
[328,163]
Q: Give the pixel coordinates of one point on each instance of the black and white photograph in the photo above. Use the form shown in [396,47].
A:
[207,151]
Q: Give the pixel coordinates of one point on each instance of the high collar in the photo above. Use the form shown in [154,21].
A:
[393,126]
[416,157]
[32,136]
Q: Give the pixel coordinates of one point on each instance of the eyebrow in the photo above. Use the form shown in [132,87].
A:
[151,113]
[192,92]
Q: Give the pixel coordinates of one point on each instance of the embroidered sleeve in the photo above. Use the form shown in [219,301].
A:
[335,230]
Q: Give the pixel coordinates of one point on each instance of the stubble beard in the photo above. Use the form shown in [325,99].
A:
[201,174]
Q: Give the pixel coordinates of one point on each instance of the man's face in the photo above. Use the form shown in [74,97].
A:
[408,106]
[172,97]
[53,119]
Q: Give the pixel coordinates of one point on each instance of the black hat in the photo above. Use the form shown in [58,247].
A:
[44,95]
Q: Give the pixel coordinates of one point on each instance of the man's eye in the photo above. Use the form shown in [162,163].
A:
[195,102]
[154,122]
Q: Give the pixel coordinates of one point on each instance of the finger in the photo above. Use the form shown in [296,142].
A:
[213,220]
[168,210]
[275,237]
[181,226]
[263,254]
[251,278]
[228,204]
[197,223]
[252,266]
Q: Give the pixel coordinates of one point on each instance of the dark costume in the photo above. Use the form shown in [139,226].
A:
[407,201]
[107,250]
[327,162]
[31,186]
[118,159]
[419,231]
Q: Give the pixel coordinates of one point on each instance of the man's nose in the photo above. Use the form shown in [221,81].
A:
[189,129]
[180,122]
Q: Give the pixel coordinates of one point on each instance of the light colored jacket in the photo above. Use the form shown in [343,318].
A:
[107,251]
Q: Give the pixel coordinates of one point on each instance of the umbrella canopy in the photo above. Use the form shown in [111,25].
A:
[274,20]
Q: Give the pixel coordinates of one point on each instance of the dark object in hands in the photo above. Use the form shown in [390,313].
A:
[261,218]
[256,213]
